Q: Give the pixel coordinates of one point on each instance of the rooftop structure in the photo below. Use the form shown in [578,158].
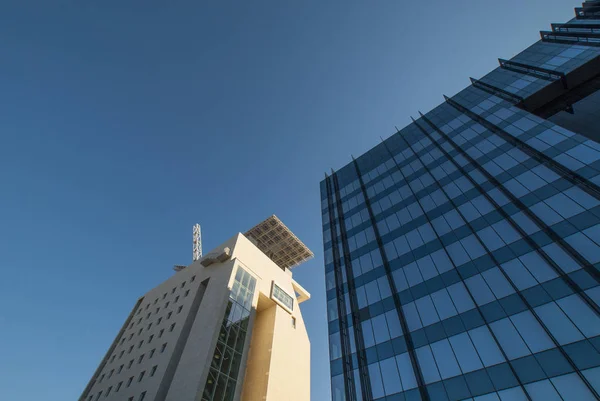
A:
[279,243]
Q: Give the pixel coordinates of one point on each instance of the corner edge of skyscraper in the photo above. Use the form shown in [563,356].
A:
[227,327]
[462,254]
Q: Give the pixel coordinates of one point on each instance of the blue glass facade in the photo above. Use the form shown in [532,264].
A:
[462,254]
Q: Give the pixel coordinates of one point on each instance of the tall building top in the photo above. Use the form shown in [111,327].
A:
[279,243]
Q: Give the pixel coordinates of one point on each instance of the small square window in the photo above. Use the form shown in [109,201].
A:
[186,293]
[172,327]
[140,331]
[159,320]
[176,298]
[148,315]
[164,295]
[130,399]
[192,279]
[150,339]
[153,371]
[131,336]
[121,354]
[157,310]
[111,373]
[152,353]
[293,322]
[142,396]
[129,364]
[155,301]
[169,315]
[173,290]
[149,325]
[147,306]
[108,391]
[130,349]
[160,333]
[162,349]
[113,358]
[141,376]
[179,309]
[101,378]
[141,358]
[139,321]
[118,387]
[129,382]
[140,344]
[120,368]
[183,284]
[122,340]
[167,304]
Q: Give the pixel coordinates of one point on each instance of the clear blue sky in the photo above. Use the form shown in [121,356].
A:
[122,123]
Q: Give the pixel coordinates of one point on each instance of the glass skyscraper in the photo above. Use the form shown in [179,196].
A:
[462,254]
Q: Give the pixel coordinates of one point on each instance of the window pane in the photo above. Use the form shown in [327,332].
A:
[389,374]
[486,346]
[446,362]
[571,388]
[559,325]
[509,339]
[427,363]
[531,331]
[465,352]
[407,374]
[581,314]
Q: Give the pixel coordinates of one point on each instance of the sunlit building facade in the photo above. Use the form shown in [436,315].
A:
[462,253]
[228,327]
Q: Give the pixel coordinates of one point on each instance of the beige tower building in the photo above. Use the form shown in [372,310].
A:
[227,327]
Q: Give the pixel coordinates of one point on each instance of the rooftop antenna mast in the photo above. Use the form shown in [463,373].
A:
[197,243]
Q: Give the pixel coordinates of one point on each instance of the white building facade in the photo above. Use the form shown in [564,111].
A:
[227,327]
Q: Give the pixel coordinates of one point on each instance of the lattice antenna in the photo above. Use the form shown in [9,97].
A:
[197,242]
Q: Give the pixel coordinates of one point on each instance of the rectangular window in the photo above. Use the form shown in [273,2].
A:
[279,295]
[150,339]
[129,364]
[118,387]
[153,371]
[186,293]
[113,358]
[167,304]
[169,315]
[293,322]
[129,381]
[142,396]
[172,327]
[183,284]
[179,309]
[111,373]
[173,290]
[141,376]
[177,299]
[99,395]
[192,279]
[120,368]
[162,349]
[101,378]
[152,353]
[140,344]
[141,358]
[108,391]
[160,333]
[159,320]
[164,295]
